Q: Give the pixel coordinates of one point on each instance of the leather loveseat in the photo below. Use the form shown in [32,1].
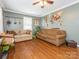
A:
[54,36]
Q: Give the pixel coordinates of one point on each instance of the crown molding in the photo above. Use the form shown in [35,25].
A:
[26,14]
[61,8]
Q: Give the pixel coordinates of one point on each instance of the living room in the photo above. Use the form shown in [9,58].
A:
[39,32]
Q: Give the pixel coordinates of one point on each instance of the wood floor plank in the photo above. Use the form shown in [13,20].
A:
[38,49]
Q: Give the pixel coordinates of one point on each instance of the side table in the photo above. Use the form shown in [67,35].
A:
[71,43]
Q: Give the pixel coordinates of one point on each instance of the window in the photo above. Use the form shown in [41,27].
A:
[27,23]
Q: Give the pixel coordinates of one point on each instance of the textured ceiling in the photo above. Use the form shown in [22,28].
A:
[26,7]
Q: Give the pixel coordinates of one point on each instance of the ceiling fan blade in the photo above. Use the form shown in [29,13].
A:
[50,2]
[36,2]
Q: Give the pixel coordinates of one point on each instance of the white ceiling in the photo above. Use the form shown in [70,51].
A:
[26,7]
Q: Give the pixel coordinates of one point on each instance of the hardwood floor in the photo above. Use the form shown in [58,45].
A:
[38,49]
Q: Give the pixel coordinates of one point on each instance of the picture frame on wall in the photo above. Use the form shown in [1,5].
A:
[8,22]
[36,21]
[15,22]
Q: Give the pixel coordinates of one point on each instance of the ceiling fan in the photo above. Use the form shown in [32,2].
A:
[43,2]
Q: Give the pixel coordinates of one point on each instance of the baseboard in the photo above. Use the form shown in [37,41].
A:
[78,46]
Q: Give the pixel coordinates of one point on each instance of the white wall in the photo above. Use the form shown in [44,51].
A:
[70,18]
[1,20]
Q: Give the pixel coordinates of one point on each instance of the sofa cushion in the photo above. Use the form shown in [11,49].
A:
[22,31]
[50,31]
[43,35]
[11,32]
[28,32]
[19,32]
[61,32]
[60,36]
[51,36]
[43,31]
[21,35]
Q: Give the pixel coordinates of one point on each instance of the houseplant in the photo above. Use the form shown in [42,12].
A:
[37,29]
[3,50]
[5,47]
[7,43]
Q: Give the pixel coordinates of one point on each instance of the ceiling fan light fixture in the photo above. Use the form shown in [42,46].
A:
[51,2]
[43,2]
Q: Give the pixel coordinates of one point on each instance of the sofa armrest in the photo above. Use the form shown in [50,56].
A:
[60,36]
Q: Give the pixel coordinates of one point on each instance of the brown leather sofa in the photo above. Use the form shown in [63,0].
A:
[54,36]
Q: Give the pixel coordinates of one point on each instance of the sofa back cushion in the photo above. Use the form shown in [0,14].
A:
[18,32]
[54,31]
[50,31]
[23,31]
[61,32]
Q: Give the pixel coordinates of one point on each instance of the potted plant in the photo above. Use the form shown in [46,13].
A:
[6,45]
[37,29]
[3,50]
[1,54]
